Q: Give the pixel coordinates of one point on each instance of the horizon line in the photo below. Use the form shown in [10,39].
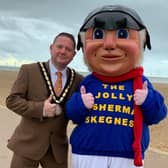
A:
[164,79]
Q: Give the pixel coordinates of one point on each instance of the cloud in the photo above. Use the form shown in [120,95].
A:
[27,37]
[26,34]
[13,61]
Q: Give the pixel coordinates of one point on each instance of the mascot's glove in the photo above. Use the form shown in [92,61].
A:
[87,98]
[141,94]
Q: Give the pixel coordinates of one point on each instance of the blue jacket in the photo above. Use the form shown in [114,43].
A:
[107,129]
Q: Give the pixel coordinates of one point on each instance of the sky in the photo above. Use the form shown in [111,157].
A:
[27,28]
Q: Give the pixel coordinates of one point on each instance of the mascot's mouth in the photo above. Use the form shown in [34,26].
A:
[111,57]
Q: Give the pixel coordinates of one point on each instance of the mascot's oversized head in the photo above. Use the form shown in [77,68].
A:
[113,39]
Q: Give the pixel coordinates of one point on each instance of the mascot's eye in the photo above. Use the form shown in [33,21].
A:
[98,33]
[122,33]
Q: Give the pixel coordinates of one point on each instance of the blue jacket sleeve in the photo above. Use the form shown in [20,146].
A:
[154,108]
[75,109]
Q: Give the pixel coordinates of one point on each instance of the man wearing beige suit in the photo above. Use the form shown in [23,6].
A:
[40,137]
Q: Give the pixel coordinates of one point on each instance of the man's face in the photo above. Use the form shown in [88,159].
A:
[112,52]
[62,51]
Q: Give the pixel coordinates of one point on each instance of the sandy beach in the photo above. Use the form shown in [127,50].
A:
[156,156]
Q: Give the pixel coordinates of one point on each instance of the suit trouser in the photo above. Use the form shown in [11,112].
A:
[47,161]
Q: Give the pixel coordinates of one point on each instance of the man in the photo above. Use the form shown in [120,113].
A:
[40,137]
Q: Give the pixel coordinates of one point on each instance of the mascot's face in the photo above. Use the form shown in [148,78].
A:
[112,52]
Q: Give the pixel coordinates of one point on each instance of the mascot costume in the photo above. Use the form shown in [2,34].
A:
[116,103]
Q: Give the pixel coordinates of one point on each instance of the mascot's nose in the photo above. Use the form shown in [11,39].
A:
[109,41]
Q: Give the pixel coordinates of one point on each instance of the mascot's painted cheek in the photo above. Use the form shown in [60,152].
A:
[91,54]
[131,49]
[132,45]
[92,46]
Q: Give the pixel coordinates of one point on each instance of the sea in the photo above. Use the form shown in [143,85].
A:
[151,78]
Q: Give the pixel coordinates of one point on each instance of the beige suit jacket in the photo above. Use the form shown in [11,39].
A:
[34,133]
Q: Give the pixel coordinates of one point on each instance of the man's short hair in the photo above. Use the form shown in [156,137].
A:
[69,35]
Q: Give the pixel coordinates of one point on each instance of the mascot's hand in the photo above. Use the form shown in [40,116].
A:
[88,98]
[141,94]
